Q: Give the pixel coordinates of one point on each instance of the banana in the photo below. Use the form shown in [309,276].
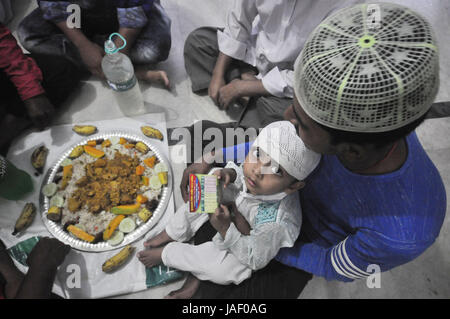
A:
[152,132]
[38,158]
[141,147]
[118,260]
[54,213]
[76,152]
[25,219]
[84,130]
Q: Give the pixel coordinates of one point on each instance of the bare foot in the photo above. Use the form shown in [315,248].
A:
[153,76]
[188,290]
[159,240]
[10,273]
[150,257]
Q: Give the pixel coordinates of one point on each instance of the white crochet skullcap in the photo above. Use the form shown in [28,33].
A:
[280,141]
[368,68]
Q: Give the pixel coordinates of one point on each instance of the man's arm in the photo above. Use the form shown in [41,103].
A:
[91,53]
[130,35]
[218,76]
[43,262]
[21,69]
[350,259]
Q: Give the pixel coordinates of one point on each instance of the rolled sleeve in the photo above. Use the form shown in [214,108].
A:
[278,83]
[231,238]
[231,47]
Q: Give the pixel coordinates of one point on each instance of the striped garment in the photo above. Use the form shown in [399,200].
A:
[130,13]
[356,224]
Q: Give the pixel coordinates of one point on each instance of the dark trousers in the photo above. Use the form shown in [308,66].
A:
[60,77]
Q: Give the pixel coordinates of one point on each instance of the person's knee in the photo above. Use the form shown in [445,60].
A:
[271,109]
[151,51]
[27,28]
[196,39]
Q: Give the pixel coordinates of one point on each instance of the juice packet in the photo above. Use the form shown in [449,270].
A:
[203,193]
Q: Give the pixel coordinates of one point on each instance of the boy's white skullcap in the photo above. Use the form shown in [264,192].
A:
[280,141]
[368,68]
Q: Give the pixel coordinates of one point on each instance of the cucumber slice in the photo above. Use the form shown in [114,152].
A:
[127,225]
[66,162]
[57,201]
[161,168]
[114,140]
[155,183]
[50,189]
[116,238]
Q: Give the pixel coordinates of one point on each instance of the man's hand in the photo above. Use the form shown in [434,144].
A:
[229,93]
[217,82]
[227,175]
[40,110]
[48,253]
[221,220]
[92,56]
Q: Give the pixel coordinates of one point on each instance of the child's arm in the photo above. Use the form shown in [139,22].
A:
[276,225]
[240,222]
[130,34]
[91,53]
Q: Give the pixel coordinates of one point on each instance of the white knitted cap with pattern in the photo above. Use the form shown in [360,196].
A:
[280,141]
[368,68]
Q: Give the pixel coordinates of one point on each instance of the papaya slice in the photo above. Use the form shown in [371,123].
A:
[81,234]
[92,151]
[150,162]
[67,175]
[112,226]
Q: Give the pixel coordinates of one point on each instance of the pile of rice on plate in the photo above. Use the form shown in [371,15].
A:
[102,177]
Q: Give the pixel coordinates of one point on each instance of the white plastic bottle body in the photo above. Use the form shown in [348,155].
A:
[119,72]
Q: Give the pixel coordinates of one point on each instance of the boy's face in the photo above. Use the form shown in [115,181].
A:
[264,177]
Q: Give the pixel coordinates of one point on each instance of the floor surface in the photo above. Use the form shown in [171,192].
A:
[426,277]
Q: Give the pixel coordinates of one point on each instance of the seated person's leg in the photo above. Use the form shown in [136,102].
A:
[200,55]
[40,36]
[60,75]
[151,47]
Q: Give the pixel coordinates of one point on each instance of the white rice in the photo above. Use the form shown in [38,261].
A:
[96,223]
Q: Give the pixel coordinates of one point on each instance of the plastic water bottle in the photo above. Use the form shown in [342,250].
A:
[14,183]
[119,73]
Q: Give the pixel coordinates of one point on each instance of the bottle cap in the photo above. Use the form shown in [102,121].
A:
[110,46]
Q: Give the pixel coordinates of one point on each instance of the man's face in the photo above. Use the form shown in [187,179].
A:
[314,137]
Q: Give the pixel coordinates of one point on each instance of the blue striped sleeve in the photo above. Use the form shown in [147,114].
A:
[352,258]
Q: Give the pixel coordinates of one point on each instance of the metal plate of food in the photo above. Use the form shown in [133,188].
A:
[105,176]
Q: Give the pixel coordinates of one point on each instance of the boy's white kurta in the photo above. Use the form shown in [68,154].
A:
[275,221]
[270,34]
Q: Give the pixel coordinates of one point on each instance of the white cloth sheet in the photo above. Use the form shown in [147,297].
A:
[93,282]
